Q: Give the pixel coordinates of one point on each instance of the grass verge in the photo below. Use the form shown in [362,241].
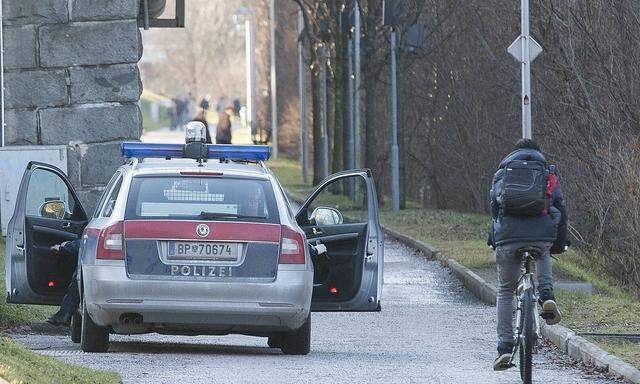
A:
[20,365]
[462,236]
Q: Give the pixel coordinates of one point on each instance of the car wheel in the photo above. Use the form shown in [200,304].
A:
[75,328]
[93,338]
[298,342]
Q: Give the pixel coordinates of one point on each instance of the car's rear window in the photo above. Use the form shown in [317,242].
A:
[202,198]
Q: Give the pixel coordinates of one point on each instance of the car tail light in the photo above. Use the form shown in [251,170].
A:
[291,247]
[111,243]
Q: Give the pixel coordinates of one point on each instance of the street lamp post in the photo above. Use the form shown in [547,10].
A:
[274,100]
[356,85]
[244,16]
[325,113]
[395,161]
[302,83]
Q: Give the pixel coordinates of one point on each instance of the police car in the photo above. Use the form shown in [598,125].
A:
[197,239]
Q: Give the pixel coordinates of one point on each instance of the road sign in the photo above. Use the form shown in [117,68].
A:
[515,49]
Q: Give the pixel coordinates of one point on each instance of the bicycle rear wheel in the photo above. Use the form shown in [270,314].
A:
[528,339]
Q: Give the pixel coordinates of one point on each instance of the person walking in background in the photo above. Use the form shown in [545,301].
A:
[236,106]
[205,104]
[525,217]
[223,129]
[220,104]
[201,118]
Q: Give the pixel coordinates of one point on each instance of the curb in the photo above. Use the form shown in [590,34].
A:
[577,347]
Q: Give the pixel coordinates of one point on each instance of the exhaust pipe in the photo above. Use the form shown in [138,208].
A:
[131,319]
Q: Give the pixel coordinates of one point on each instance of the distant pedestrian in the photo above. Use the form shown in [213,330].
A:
[205,104]
[201,118]
[223,130]
[220,104]
[236,106]
[173,116]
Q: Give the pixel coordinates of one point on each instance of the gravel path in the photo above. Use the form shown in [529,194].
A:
[430,330]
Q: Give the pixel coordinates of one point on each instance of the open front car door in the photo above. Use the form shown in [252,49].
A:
[47,213]
[342,214]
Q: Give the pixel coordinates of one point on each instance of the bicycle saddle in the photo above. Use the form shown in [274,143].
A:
[533,251]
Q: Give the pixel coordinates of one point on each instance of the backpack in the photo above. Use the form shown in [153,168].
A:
[524,189]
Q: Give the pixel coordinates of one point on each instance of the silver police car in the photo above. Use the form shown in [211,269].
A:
[207,244]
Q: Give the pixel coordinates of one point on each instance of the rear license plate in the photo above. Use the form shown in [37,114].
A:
[179,250]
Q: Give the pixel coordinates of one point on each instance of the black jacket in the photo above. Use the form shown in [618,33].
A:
[70,248]
[551,227]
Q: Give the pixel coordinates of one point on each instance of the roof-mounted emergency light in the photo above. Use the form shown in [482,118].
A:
[214,151]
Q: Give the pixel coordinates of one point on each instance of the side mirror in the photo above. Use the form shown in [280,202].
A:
[54,209]
[326,216]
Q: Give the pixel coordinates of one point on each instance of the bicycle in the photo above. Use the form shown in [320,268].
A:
[527,332]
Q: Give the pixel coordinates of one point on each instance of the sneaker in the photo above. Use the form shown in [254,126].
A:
[550,312]
[60,319]
[503,361]
[55,319]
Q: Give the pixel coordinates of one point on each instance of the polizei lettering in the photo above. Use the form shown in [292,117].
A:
[201,271]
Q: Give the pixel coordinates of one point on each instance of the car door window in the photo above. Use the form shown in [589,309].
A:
[111,199]
[46,186]
[344,201]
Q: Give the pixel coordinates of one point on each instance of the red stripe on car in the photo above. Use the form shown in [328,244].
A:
[186,230]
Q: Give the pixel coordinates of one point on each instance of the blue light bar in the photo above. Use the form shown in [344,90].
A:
[216,151]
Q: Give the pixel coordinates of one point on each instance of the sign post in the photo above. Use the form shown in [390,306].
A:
[525,49]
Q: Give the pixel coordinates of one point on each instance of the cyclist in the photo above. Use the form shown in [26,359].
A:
[533,216]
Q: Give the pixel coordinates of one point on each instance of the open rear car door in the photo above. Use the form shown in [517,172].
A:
[47,213]
[342,214]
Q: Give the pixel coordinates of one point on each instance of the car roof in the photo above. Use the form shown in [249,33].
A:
[161,166]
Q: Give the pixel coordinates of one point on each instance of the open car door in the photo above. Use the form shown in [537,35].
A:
[47,213]
[342,214]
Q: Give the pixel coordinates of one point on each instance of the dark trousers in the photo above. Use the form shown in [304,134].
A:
[71,300]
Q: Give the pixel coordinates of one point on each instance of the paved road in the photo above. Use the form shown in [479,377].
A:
[430,330]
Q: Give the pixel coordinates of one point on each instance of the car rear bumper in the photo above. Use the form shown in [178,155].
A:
[197,306]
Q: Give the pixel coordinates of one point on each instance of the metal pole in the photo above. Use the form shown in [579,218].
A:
[350,148]
[251,75]
[526,73]
[2,127]
[274,102]
[302,82]
[356,102]
[247,53]
[325,115]
[395,162]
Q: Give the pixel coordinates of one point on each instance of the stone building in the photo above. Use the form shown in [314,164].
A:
[71,78]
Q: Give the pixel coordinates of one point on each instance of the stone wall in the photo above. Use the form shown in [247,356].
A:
[71,77]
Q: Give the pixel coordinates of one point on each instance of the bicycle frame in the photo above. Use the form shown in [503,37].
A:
[526,284]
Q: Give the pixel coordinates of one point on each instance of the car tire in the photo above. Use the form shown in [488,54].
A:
[93,338]
[75,329]
[298,342]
